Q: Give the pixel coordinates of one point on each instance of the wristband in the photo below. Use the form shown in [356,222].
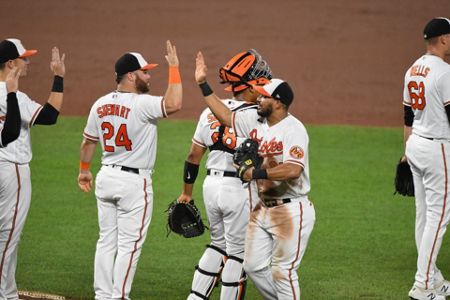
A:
[58,84]
[174,75]
[190,172]
[259,174]
[206,90]
[84,165]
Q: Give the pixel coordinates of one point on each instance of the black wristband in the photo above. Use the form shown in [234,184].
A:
[58,84]
[259,174]
[190,172]
[206,89]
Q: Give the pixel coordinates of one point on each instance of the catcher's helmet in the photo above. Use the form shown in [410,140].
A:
[244,69]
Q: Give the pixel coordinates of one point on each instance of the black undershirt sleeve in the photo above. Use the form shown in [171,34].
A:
[447,110]
[11,128]
[409,115]
[47,116]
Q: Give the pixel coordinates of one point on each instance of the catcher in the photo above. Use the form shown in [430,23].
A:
[226,200]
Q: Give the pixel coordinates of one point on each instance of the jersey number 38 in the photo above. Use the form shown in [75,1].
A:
[121,137]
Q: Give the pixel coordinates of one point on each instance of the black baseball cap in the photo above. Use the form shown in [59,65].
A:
[277,89]
[12,48]
[436,27]
[130,62]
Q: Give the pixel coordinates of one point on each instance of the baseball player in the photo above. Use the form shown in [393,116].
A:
[124,121]
[281,223]
[15,183]
[426,100]
[226,201]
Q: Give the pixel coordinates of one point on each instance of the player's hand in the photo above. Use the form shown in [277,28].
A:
[200,68]
[85,181]
[184,198]
[12,80]
[171,56]
[57,64]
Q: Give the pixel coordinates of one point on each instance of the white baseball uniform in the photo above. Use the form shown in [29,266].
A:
[227,208]
[15,190]
[125,125]
[427,91]
[281,224]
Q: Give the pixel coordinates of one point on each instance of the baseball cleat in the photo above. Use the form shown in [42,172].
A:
[417,293]
[443,288]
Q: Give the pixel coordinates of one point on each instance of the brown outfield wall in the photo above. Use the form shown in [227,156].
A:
[345,59]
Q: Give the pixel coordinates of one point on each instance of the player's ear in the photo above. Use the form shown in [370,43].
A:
[131,76]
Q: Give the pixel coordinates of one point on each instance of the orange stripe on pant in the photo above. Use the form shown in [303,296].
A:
[442,217]
[13,224]
[135,243]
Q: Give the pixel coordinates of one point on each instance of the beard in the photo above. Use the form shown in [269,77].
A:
[141,86]
[264,112]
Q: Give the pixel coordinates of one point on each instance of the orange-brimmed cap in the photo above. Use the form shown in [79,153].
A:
[130,62]
[12,49]
[277,89]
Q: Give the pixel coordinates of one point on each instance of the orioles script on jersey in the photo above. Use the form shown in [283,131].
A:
[419,70]
[272,147]
[113,109]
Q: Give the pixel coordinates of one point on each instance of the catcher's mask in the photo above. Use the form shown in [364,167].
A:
[245,69]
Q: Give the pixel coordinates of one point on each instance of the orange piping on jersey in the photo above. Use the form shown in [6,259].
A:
[295,162]
[163,108]
[442,216]
[198,143]
[90,137]
[13,226]
[233,122]
[135,243]
[2,118]
[36,113]
[298,250]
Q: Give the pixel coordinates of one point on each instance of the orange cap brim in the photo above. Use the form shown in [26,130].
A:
[149,66]
[29,53]
[260,89]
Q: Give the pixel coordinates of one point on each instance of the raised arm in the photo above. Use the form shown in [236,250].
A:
[220,110]
[49,113]
[173,99]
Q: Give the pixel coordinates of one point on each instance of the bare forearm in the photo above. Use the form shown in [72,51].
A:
[406,133]
[284,172]
[87,150]
[173,99]
[220,110]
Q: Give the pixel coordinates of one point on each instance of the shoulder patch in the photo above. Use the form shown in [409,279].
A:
[296,152]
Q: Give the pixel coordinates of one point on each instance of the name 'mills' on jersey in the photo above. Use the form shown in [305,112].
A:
[220,139]
[125,125]
[19,151]
[285,142]
[427,91]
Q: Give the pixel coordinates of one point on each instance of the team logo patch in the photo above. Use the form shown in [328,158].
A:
[296,152]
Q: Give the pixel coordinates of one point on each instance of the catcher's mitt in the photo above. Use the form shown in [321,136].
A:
[246,156]
[404,184]
[184,219]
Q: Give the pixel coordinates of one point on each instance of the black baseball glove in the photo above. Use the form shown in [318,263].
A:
[184,219]
[246,156]
[404,184]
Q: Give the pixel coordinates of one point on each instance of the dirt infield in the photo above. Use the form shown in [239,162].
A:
[345,59]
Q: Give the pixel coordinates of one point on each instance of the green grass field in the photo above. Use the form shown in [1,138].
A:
[362,246]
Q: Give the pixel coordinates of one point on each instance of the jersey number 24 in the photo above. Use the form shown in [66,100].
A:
[121,137]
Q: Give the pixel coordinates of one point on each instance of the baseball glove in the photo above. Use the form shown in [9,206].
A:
[184,219]
[246,156]
[404,184]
